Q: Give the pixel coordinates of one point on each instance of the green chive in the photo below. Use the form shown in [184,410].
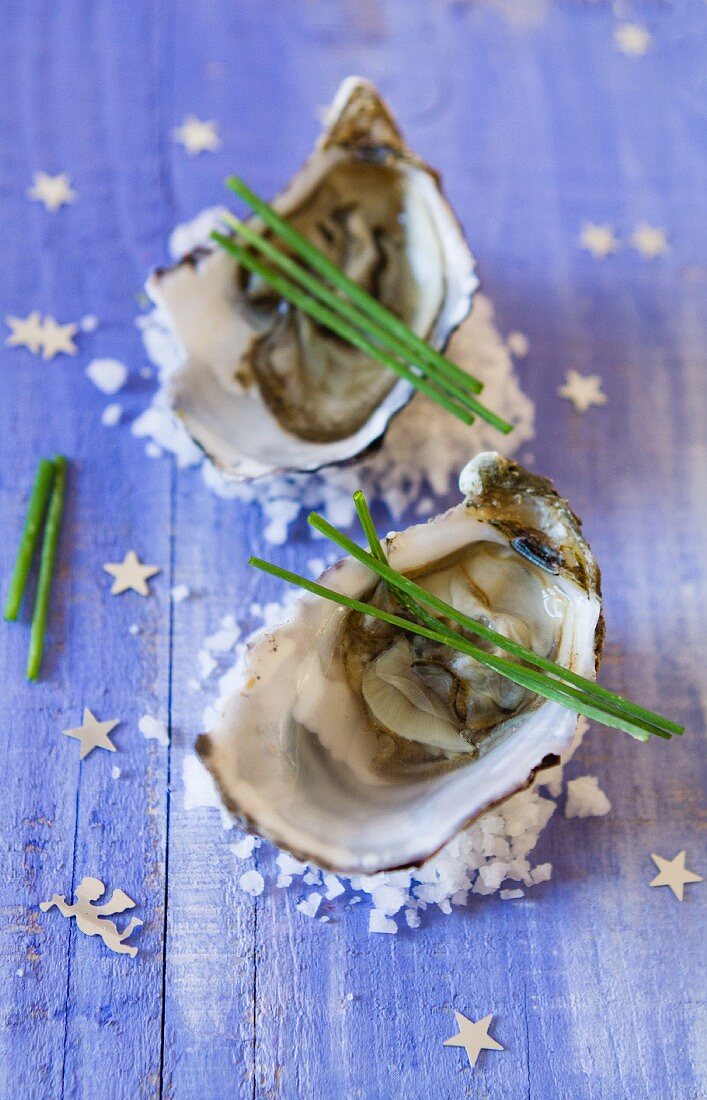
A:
[399,581]
[46,570]
[549,688]
[346,310]
[33,524]
[325,317]
[369,305]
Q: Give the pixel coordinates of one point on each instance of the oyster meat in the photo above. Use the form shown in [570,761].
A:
[262,387]
[363,747]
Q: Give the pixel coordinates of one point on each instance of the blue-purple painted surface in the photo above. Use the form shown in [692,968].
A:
[537,123]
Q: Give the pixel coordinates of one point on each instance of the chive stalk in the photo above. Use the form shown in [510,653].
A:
[326,317]
[366,303]
[554,690]
[420,595]
[345,309]
[33,525]
[46,569]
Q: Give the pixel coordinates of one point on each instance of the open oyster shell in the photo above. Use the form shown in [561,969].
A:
[311,761]
[262,387]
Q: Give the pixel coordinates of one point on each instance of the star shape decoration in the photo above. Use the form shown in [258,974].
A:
[673,873]
[93,734]
[600,240]
[130,573]
[650,241]
[26,332]
[197,135]
[474,1037]
[58,339]
[632,39]
[583,390]
[53,191]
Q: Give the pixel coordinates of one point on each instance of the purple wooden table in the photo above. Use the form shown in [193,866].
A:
[538,123]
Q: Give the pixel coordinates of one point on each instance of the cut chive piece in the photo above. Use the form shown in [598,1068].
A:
[46,569]
[369,305]
[349,312]
[33,525]
[315,309]
[369,527]
[577,701]
[399,581]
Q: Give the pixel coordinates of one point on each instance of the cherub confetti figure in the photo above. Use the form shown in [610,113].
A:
[90,917]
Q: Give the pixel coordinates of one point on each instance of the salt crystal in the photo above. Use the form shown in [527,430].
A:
[289,865]
[153,729]
[244,848]
[413,918]
[378,922]
[333,886]
[180,592]
[311,905]
[355,900]
[207,664]
[445,905]
[89,323]
[20,972]
[252,882]
[222,640]
[585,798]
[284,880]
[133,629]
[115,772]
[518,344]
[111,415]
[312,878]
[541,873]
[511,895]
[108,374]
[388,899]
[324,920]
[200,789]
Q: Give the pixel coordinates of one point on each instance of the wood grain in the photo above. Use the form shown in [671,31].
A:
[537,123]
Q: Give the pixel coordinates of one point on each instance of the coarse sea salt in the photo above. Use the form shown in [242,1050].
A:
[108,374]
[180,593]
[409,465]
[252,882]
[585,798]
[111,415]
[493,855]
[154,729]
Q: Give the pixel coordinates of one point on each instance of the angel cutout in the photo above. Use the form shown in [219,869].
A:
[91,918]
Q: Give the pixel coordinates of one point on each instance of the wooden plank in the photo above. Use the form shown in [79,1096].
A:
[596,982]
[80,1021]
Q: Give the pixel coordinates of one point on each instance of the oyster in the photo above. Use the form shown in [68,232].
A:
[365,748]
[262,387]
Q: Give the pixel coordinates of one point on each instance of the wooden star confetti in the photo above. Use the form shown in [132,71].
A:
[58,339]
[650,241]
[583,390]
[632,39]
[673,873]
[474,1037]
[600,240]
[130,573]
[93,734]
[53,191]
[197,135]
[25,332]
[90,918]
